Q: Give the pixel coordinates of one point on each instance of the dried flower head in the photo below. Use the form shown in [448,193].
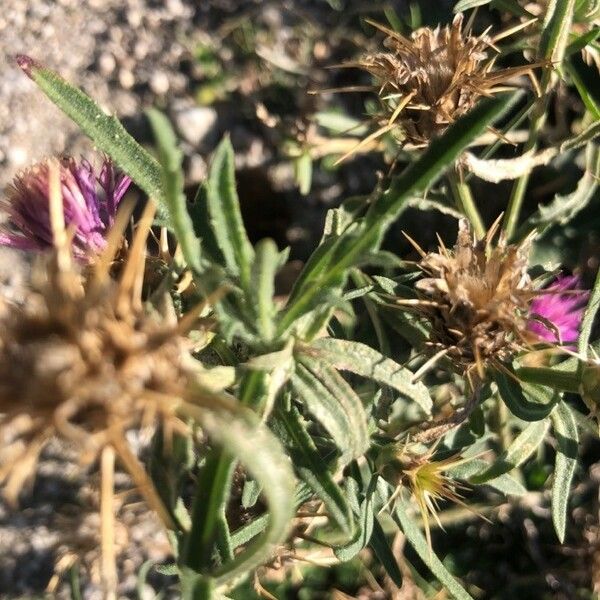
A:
[90,202]
[556,314]
[476,298]
[85,361]
[428,81]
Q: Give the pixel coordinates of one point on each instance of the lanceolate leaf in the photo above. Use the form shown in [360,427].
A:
[417,541]
[563,208]
[524,445]
[309,466]
[589,316]
[567,440]
[366,516]
[225,215]
[365,361]
[336,407]
[264,269]
[170,157]
[381,547]
[105,131]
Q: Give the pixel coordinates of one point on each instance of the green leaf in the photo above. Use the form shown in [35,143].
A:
[303,167]
[519,451]
[555,31]
[170,157]
[441,152]
[309,466]
[512,394]
[366,519]
[512,6]
[106,131]
[588,317]
[237,429]
[581,41]
[567,441]
[505,484]
[225,215]
[263,273]
[363,360]
[585,80]
[417,540]
[335,405]
[381,547]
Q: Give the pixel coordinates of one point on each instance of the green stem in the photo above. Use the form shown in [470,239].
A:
[212,490]
[465,202]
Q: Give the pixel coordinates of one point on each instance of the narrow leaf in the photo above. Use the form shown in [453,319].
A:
[264,269]
[567,440]
[563,208]
[381,547]
[366,520]
[170,157]
[106,131]
[512,394]
[417,540]
[225,215]
[309,466]
[519,451]
[588,317]
[238,431]
[339,416]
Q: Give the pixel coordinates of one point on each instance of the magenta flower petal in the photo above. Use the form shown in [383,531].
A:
[90,202]
[562,304]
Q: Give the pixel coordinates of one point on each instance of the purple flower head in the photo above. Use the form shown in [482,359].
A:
[90,202]
[561,304]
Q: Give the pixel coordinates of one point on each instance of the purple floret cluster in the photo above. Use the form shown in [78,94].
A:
[561,304]
[90,202]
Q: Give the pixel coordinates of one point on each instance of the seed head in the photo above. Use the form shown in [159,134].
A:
[428,81]
[84,361]
[476,298]
[89,200]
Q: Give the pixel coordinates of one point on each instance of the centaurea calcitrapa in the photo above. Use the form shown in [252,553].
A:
[475,298]
[90,199]
[427,81]
[557,311]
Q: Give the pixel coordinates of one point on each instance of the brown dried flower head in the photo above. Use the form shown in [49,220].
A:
[85,360]
[428,81]
[476,298]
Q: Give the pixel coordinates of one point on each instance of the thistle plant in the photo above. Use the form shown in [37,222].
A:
[376,396]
